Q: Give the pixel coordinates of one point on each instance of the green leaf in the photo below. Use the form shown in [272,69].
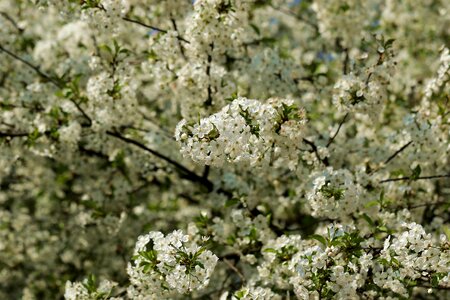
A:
[213,133]
[446,230]
[319,238]
[231,202]
[116,47]
[368,219]
[89,284]
[106,48]
[371,203]
[253,235]
[382,228]
[389,43]
[240,294]
[332,192]
[255,28]
[271,250]
[201,265]
[397,173]
[416,172]
[383,261]
[152,55]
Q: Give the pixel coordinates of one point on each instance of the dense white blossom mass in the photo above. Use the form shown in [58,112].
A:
[224,149]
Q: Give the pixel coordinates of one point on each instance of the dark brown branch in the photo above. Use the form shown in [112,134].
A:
[316,152]
[174,24]
[152,27]
[330,141]
[82,112]
[11,20]
[91,152]
[346,61]
[296,16]
[35,68]
[187,174]
[54,81]
[235,269]
[208,101]
[205,172]
[13,134]
[422,205]
[190,199]
[397,152]
[426,284]
[418,178]
[379,62]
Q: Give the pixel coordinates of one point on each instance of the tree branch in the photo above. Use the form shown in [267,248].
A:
[34,67]
[316,152]
[236,270]
[418,178]
[152,27]
[13,134]
[50,79]
[187,174]
[174,24]
[12,21]
[296,16]
[330,141]
[397,152]
[205,172]
[208,101]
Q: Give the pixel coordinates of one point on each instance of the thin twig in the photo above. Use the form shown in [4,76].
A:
[296,16]
[205,172]
[236,270]
[422,205]
[12,21]
[190,199]
[13,134]
[174,24]
[346,61]
[418,178]
[316,152]
[188,174]
[397,152]
[34,67]
[152,27]
[55,82]
[337,131]
[208,101]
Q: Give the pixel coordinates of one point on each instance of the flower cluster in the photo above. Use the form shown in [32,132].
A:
[163,264]
[310,158]
[344,20]
[413,257]
[246,131]
[365,90]
[88,289]
[334,194]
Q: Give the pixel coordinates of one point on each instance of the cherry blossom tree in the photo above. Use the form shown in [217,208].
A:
[224,149]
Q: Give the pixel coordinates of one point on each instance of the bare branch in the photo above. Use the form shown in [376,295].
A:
[34,67]
[186,173]
[13,134]
[205,172]
[330,141]
[316,152]
[397,152]
[174,24]
[152,27]
[418,178]
[236,270]
[54,81]
[296,16]
[11,20]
